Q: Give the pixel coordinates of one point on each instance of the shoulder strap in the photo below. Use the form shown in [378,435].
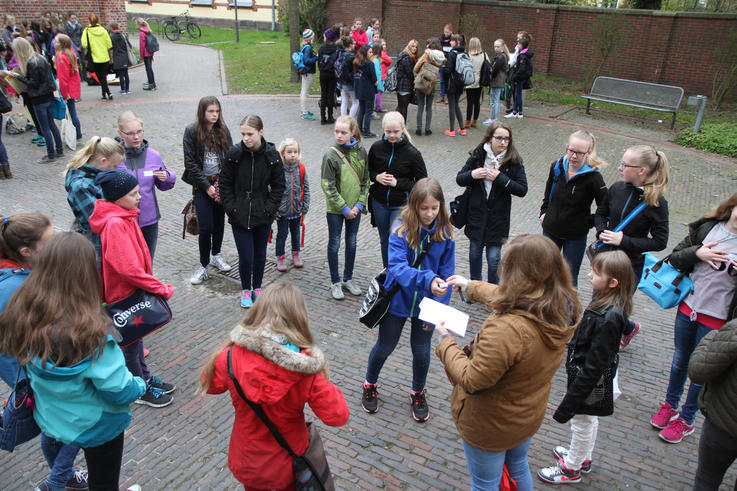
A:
[347,163]
[302,181]
[418,260]
[556,175]
[630,217]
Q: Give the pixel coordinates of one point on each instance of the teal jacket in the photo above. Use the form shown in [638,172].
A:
[88,403]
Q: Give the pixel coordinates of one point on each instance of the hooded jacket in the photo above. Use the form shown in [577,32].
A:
[82,194]
[68,77]
[194,155]
[281,381]
[141,163]
[125,260]
[293,203]
[252,184]
[522,69]
[142,32]
[86,404]
[97,40]
[342,190]
[365,81]
[502,387]
[400,159]
[120,50]
[310,58]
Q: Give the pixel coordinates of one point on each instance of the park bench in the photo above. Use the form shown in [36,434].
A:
[646,95]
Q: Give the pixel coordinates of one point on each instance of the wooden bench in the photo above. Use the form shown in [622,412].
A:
[646,95]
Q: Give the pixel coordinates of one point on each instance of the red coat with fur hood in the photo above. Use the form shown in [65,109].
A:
[281,381]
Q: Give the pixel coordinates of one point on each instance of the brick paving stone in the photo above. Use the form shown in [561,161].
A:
[185,445]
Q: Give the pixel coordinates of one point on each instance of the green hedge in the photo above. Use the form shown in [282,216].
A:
[718,138]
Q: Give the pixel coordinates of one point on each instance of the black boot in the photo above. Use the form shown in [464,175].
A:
[331,119]
[323,119]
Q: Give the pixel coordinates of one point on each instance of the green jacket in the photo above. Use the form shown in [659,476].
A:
[342,190]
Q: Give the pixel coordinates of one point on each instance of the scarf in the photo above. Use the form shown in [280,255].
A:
[492,162]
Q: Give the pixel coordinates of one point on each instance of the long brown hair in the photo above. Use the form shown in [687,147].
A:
[281,308]
[217,139]
[56,313]
[361,56]
[535,277]
[723,210]
[427,187]
[512,156]
[21,230]
[614,265]
[65,46]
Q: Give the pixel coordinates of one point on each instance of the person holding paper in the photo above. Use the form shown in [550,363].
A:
[422,231]
[502,387]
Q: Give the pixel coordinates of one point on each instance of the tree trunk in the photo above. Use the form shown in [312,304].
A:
[294,34]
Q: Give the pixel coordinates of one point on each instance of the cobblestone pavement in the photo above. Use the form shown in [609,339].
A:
[185,445]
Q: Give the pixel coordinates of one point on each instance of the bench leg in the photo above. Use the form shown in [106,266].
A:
[673,121]
[588,105]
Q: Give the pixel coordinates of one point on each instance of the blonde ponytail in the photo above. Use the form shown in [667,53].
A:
[656,183]
[95,148]
[594,160]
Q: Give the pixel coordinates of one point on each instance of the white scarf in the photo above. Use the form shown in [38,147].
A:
[492,162]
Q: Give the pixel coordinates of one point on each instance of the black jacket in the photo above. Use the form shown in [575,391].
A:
[39,80]
[684,257]
[327,53]
[120,51]
[364,81]
[488,219]
[455,85]
[194,153]
[405,72]
[252,184]
[568,212]
[523,67]
[593,347]
[403,161]
[648,231]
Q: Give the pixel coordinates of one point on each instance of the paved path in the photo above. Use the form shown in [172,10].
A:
[185,445]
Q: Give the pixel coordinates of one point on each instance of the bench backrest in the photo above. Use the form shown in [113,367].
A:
[637,92]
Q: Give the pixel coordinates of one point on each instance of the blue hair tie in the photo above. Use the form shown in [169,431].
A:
[5,223]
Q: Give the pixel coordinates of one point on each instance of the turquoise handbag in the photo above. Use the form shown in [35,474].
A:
[663,283]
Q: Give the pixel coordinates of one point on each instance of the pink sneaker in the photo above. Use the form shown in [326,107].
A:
[676,430]
[627,338]
[281,264]
[664,415]
[298,263]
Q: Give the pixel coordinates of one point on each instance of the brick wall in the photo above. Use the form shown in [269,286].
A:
[661,47]
[30,10]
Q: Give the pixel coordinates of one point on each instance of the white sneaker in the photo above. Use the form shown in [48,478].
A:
[336,290]
[510,115]
[199,276]
[135,487]
[353,289]
[519,116]
[220,263]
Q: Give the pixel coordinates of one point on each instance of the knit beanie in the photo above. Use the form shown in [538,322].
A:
[115,183]
[331,35]
[307,34]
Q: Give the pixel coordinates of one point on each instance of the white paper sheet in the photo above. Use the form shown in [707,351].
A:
[435,312]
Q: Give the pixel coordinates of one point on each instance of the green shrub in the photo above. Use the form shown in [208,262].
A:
[718,138]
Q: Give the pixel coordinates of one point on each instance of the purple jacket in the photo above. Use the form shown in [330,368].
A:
[142,162]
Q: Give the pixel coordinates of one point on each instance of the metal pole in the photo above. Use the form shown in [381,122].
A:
[700,116]
[273,15]
[237,34]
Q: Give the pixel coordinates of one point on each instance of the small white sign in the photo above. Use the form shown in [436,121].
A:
[435,312]
[148,173]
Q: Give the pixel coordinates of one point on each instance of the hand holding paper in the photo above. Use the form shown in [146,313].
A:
[435,313]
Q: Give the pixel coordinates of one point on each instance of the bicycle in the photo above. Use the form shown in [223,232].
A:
[174,27]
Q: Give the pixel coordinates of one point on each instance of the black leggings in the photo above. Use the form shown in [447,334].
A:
[473,103]
[327,91]
[101,70]
[403,104]
[103,464]
[454,111]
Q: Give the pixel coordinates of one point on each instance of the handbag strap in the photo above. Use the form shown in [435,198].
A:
[347,163]
[630,217]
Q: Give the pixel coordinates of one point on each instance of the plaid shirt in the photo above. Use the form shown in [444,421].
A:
[82,192]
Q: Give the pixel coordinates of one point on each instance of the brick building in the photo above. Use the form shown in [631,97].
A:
[252,14]
[30,10]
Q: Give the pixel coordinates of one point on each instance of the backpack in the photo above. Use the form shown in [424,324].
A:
[327,61]
[152,44]
[298,61]
[464,69]
[339,66]
[390,82]
[426,78]
[485,75]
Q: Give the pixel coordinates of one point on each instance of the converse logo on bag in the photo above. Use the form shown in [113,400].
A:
[121,318]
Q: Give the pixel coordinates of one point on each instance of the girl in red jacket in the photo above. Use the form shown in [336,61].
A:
[68,74]
[278,367]
[126,266]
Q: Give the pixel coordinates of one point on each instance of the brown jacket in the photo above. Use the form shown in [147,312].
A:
[503,386]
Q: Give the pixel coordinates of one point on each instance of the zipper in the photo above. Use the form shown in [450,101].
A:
[388,166]
[291,194]
[250,204]
[419,268]
[624,208]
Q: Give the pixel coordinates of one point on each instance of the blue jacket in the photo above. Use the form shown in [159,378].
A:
[309,58]
[439,262]
[10,280]
[88,403]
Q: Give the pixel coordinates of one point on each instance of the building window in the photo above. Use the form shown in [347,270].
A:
[241,3]
[139,1]
[207,3]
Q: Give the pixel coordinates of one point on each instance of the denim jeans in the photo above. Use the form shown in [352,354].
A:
[384,217]
[517,106]
[717,451]
[686,334]
[60,458]
[443,83]
[286,227]
[48,128]
[348,97]
[211,216]
[495,95]
[365,112]
[148,63]
[573,251]
[135,361]
[424,103]
[454,111]
[251,245]
[125,82]
[72,107]
[151,236]
[103,464]
[3,152]
[476,262]
[390,330]
[335,228]
[486,467]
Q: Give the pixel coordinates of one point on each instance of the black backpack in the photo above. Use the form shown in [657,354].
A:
[327,61]
[152,44]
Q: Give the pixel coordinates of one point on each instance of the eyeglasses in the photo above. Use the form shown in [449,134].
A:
[624,164]
[132,133]
[502,139]
[576,153]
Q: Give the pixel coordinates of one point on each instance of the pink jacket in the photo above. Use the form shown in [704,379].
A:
[68,76]
[142,42]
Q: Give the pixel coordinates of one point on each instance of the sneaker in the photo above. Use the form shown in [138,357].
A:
[664,416]
[513,115]
[47,160]
[450,133]
[298,262]
[78,480]
[308,116]
[159,384]
[559,474]
[121,92]
[676,430]
[246,300]
[154,398]
[462,132]
[281,264]
[148,87]
[353,289]
[310,113]
[199,276]
[336,290]
[627,338]
[370,399]
[419,407]
[562,452]
[369,134]
[36,139]
[145,352]
[218,261]
[488,122]
[428,132]
[418,132]
[519,116]
[41,142]
[44,486]
[134,487]
[256,293]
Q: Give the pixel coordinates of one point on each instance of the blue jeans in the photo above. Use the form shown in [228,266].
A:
[495,95]
[211,216]
[365,111]
[286,227]
[384,217]
[486,467]
[251,245]
[60,458]
[517,106]
[335,228]
[3,152]
[573,251]
[151,236]
[390,330]
[48,128]
[443,83]
[125,81]
[476,262]
[72,107]
[686,334]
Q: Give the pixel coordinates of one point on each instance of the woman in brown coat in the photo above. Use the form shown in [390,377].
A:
[502,385]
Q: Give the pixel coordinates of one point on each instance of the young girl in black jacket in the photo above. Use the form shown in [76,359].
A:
[455,86]
[365,83]
[592,351]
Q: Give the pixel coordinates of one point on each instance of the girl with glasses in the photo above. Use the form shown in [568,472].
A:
[574,182]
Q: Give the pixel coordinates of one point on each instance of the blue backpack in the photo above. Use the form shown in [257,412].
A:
[298,61]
